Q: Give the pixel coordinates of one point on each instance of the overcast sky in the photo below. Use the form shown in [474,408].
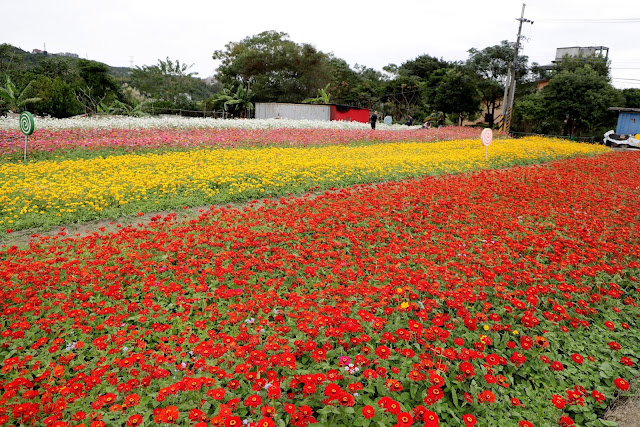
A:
[372,33]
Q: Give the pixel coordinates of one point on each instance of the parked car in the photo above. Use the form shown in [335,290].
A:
[614,140]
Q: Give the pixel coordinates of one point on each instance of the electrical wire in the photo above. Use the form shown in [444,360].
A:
[590,21]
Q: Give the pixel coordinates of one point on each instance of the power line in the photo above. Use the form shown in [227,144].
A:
[591,21]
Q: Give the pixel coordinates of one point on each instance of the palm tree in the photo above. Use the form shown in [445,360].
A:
[14,100]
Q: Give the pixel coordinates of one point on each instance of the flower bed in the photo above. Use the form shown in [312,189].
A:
[185,123]
[54,192]
[495,298]
[61,141]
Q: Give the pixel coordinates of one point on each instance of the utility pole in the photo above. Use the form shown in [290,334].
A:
[510,84]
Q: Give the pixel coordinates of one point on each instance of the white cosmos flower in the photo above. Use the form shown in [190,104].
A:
[177,122]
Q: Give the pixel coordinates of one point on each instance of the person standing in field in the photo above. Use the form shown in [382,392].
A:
[373,119]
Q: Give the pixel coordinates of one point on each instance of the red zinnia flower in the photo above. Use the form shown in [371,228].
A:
[486,396]
[467,369]
[132,400]
[268,411]
[621,384]
[134,420]
[566,421]
[431,419]
[266,422]
[167,415]
[404,419]
[556,366]
[233,422]
[253,401]
[469,420]
[599,397]
[217,393]
[368,412]
[383,352]
[558,401]
[394,407]
[434,393]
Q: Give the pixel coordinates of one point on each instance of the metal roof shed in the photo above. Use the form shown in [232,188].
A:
[300,111]
[271,110]
[628,120]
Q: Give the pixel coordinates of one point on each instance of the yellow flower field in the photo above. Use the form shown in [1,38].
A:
[85,188]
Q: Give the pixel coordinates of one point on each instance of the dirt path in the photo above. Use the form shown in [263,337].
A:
[22,238]
[626,411]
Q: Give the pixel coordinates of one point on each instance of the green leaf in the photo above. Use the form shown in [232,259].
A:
[454,397]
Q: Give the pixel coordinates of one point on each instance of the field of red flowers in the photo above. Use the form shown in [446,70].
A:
[497,298]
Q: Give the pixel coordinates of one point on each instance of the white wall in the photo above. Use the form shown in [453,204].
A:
[293,111]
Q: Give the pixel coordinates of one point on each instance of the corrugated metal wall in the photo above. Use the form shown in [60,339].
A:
[266,110]
[628,123]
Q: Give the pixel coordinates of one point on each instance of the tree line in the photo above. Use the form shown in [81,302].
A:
[61,86]
[270,67]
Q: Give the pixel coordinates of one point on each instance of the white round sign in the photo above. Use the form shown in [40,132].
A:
[486,136]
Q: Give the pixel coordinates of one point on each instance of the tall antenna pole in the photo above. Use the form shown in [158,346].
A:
[510,84]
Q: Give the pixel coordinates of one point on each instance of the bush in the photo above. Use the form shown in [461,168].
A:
[58,98]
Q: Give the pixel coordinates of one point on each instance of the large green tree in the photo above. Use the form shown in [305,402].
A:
[404,96]
[574,103]
[491,66]
[597,63]
[58,98]
[423,67]
[582,98]
[458,94]
[96,86]
[344,87]
[165,80]
[274,67]
[631,97]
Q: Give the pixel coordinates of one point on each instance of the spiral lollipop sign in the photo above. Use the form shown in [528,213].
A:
[486,137]
[27,126]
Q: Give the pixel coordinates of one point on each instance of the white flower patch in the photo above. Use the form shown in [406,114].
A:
[177,122]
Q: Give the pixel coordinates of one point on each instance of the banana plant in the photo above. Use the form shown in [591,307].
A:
[122,109]
[241,100]
[16,101]
[322,98]
[218,100]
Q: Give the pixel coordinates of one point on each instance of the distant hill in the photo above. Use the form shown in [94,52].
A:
[66,84]
[11,56]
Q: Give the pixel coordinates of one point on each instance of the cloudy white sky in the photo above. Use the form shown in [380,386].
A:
[372,33]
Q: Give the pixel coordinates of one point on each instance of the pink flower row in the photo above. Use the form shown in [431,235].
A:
[46,140]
